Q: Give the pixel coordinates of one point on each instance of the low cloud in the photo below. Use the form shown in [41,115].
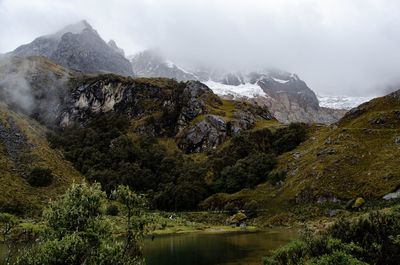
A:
[337,46]
[14,88]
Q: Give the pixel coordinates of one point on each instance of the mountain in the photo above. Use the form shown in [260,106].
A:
[197,118]
[38,96]
[150,63]
[78,47]
[286,95]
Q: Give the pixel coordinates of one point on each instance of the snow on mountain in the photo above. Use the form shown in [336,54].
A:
[243,90]
[287,96]
[342,102]
[150,63]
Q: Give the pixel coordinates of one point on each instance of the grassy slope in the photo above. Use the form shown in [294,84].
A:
[15,192]
[356,157]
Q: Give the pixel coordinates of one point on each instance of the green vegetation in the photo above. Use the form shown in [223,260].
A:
[105,151]
[250,157]
[40,177]
[77,232]
[17,195]
[370,239]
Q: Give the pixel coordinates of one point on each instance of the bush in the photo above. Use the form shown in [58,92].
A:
[78,233]
[250,157]
[291,254]
[374,239]
[276,177]
[336,258]
[112,210]
[248,172]
[230,208]
[251,208]
[40,177]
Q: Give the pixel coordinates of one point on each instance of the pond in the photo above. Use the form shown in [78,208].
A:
[233,248]
[216,248]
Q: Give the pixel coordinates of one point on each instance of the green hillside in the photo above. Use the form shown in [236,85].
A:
[357,157]
[23,147]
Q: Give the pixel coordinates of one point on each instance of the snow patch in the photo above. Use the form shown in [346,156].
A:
[280,80]
[170,64]
[342,102]
[244,90]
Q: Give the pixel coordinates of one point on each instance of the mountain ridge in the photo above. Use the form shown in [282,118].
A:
[285,94]
[80,47]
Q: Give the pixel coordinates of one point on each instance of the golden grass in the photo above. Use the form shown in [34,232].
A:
[14,190]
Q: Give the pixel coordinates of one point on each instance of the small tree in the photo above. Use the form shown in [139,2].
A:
[78,233]
[8,223]
[135,217]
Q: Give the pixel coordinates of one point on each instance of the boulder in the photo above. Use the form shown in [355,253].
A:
[237,219]
[392,195]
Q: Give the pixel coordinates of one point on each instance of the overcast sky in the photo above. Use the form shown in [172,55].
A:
[348,47]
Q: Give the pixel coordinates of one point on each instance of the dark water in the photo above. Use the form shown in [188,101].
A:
[213,249]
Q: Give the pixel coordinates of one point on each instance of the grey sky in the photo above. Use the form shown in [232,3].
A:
[346,47]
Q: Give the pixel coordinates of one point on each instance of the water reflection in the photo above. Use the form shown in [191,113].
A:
[215,249]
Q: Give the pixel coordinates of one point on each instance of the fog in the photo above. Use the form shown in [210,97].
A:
[339,47]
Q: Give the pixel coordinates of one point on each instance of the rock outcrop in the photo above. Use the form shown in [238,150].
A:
[188,111]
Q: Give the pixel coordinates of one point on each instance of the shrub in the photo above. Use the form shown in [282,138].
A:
[336,258]
[230,208]
[248,172]
[291,254]
[276,177]
[78,233]
[373,239]
[251,208]
[112,210]
[40,177]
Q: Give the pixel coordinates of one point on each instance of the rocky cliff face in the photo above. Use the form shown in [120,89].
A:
[78,47]
[286,95]
[187,111]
